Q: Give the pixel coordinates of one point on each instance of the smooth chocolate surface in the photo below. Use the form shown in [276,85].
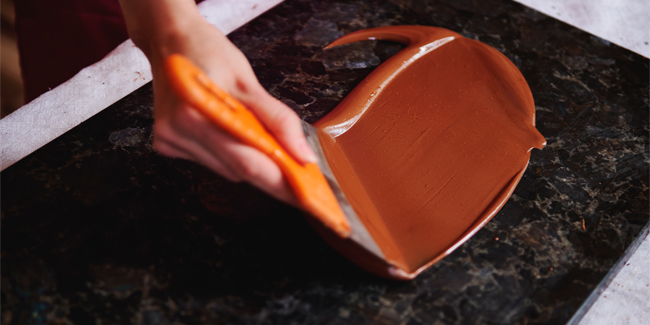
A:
[97,227]
[431,144]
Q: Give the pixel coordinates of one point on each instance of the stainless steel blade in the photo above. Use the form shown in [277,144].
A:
[359,232]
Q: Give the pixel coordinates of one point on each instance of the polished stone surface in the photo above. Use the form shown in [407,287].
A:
[97,227]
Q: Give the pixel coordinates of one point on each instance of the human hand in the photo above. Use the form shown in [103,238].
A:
[181,131]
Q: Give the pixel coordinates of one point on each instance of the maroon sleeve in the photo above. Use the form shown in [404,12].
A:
[56,39]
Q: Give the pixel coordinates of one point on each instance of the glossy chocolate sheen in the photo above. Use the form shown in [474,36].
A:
[429,146]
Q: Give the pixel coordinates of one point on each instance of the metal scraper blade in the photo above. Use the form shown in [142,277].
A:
[359,233]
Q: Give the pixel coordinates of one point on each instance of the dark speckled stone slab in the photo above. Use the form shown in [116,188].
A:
[97,228]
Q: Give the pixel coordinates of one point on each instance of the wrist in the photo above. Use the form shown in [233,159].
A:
[157,25]
[194,40]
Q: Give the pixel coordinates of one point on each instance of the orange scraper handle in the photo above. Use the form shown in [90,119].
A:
[307,181]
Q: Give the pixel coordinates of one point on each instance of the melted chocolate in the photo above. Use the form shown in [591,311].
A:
[429,146]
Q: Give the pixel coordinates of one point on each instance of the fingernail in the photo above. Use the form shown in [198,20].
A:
[307,153]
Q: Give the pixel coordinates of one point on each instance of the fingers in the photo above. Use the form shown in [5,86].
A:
[283,123]
[188,135]
[194,152]
[258,169]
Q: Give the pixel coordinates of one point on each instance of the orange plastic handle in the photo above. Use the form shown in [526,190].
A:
[307,182]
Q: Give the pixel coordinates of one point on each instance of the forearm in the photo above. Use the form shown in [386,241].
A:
[152,24]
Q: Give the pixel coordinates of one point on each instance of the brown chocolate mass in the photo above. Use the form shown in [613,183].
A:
[429,146]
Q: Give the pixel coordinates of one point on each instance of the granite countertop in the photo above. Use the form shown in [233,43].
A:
[97,228]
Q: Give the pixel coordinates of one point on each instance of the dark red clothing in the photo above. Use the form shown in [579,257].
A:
[57,38]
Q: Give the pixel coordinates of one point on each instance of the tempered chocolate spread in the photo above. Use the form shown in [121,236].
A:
[429,146]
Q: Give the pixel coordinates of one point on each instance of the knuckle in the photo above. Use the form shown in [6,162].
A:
[247,170]
[252,94]
[231,177]
[182,121]
[243,88]
[162,148]
[162,131]
[185,118]
[164,136]
[284,120]
[225,172]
